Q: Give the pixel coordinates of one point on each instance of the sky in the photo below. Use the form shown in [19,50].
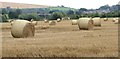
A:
[89,4]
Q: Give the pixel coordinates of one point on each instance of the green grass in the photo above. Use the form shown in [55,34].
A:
[62,8]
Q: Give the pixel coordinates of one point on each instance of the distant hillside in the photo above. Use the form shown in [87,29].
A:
[20,5]
[62,8]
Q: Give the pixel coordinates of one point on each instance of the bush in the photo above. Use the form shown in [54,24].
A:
[74,16]
[14,14]
[56,15]
[30,16]
[4,18]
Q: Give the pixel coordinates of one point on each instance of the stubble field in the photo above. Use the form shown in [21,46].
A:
[62,40]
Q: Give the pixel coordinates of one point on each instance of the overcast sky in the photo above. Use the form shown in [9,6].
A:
[89,4]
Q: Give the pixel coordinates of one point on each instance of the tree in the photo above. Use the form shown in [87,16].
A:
[52,11]
[29,16]
[96,15]
[4,11]
[13,14]
[70,12]
[57,15]
[74,16]
[18,11]
[62,6]
[82,9]
[105,7]
[4,18]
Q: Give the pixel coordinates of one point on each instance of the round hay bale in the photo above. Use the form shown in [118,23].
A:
[116,21]
[68,18]
[52,22]
[74,22]
[58,20]
[46,21]
[34,22]
[113,19]
[22,29]
[105,19]
[85,23]
[97,21]
[12,22]
[63,19]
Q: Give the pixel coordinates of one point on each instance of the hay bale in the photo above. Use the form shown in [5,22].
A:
[116,21]
[52,22]
[34,22]
[105,19]
[68,18]
[12,22]
[44,27]
[58,20]
[74,22]
[85,23]
[113,20]
[63,19]
[46,21]
[97,21]
[22,29]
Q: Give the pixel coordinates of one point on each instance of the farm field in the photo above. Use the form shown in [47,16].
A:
[62,40]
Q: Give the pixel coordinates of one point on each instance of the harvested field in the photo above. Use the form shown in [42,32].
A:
[63,40]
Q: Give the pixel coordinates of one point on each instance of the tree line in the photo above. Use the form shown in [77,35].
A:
[40,14]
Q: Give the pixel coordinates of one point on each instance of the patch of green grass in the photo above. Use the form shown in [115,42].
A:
[62,8]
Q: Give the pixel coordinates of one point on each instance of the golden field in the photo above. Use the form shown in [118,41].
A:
[62,40]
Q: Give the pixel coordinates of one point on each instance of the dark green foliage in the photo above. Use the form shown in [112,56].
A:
[103,15]
[82,9]
[30,16]
[70,12]
[59,12]
[57,15]
[14,13]
[18,11]
[74,16]
[4,11]
[4,18]
[52,11]
[105,7]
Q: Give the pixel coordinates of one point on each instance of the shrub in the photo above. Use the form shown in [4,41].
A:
[30,16]
[56,15]
[4,18]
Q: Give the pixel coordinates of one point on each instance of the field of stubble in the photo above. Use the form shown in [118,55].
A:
[63,40]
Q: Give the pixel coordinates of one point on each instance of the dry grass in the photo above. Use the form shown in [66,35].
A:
[21,5]
[64,40]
